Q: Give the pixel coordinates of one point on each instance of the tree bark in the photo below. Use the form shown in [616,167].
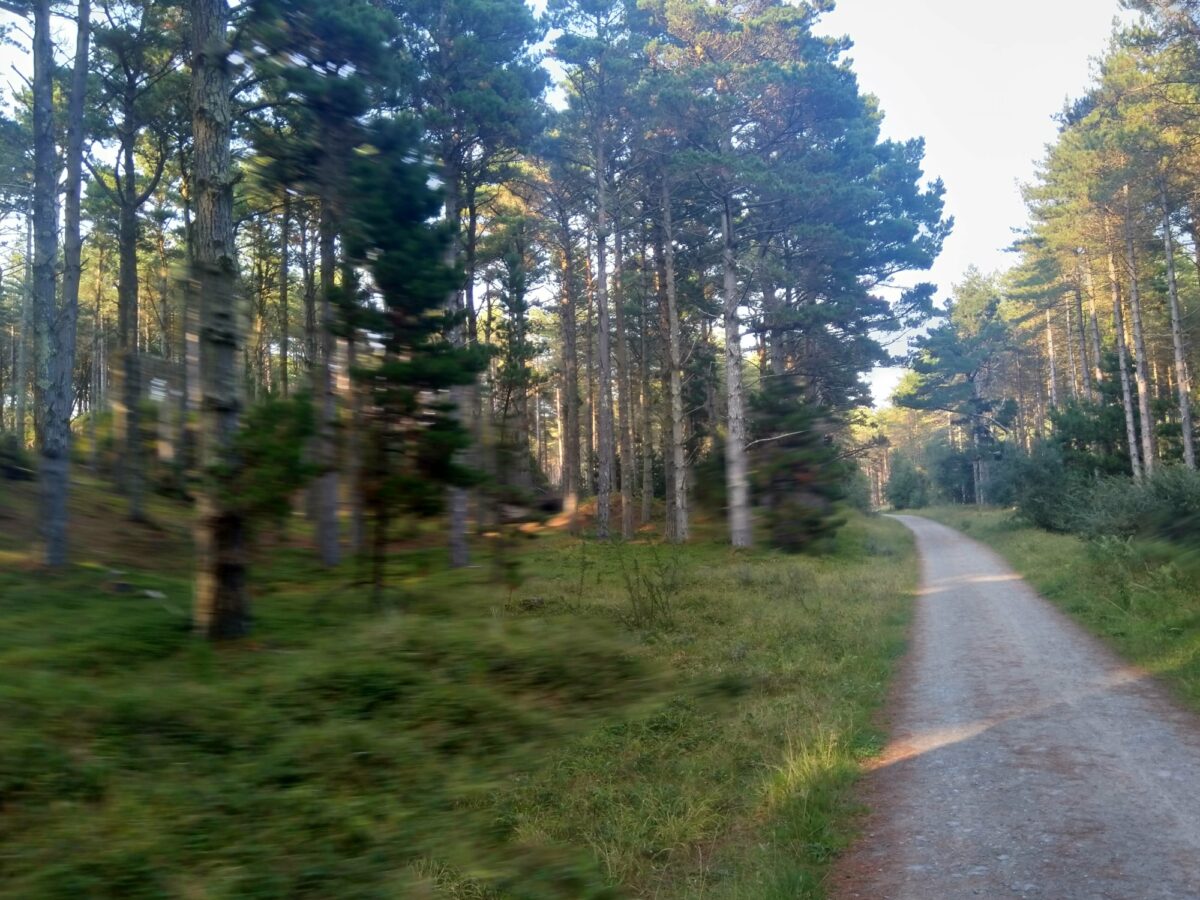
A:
[681,528]
[1093,326]
[1071,355]
[570,363]
[737,480]
[310,294]
[1141,364]
[354,452]
[647,432]
[24,335]
[457,499]
[624,402]
[1052,362]
[327,487]
[56,323]
[285,260]
[221,602]
[1131,433]
[1182,378]
[588,414]
[604,420]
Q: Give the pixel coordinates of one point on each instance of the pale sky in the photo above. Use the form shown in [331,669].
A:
[979,80]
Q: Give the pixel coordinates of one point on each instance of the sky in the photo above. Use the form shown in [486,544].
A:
[980,80]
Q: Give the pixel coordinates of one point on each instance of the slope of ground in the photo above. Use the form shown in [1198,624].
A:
[607,721]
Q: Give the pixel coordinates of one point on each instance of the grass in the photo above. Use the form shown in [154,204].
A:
[626,720]
[1140,596]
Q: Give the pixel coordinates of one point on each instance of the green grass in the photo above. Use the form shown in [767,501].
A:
[1140,596]
[465,740]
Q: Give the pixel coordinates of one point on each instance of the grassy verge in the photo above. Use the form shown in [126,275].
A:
[1140,596]
[614,721]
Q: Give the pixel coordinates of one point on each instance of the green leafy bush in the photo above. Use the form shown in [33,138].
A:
[1166,506]
[908,488]
[16,463]
[1046,492]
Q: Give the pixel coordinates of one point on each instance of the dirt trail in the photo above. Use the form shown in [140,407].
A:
[1026,760]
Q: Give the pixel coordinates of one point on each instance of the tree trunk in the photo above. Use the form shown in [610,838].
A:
[624,402]
[24,335]
[354,453]
[327,487]
[1141,360]
[457,499]
[680,530]
[285,258]
[588,415]
[1131,434]
[128,326]
[737,480]
[310,295]
[1071,355]
[55,328]
[1052,362]
[1182,378]
[604,419]
[222,605]
[570,364]
[1093,325]
[644,397]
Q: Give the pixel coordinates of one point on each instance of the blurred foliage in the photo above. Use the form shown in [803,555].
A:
[271,450]
[908,487]
[797,472]
[542,744]
[16,463]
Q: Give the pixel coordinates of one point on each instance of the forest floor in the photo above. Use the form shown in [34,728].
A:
[624,720]
[1027,759]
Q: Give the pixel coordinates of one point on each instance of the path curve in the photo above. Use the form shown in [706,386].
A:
[1026,760]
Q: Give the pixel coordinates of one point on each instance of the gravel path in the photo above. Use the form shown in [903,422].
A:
[1026,759]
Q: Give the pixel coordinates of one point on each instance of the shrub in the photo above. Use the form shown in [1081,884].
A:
[1165,506]
[908,487]
[16,463]
[858,491]
[1045,492]
[1174,513]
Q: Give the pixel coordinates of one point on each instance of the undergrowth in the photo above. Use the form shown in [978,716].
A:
[632,720]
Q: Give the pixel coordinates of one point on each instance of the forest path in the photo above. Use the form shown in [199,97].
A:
[1026,760]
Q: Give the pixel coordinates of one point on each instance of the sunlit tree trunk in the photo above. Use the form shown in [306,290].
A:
[588,415]
[1131,434]
[56,322]
[1182,378]
[1071,355]
[1093,328]
[737,479]
[1141,360]
[570,364]
[677,486]
[1051,361]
